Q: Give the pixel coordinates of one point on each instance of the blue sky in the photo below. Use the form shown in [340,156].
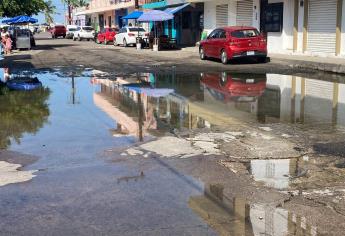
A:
[59,8]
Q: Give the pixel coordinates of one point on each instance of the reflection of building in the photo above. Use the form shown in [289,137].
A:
[275,173]
[131,111]
[236,217]
[296,99]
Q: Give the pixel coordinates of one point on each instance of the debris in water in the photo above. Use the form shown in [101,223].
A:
[9,174]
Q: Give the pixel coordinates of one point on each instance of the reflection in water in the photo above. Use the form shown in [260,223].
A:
[218,99]
[277,173]
[21,112]
[236,217]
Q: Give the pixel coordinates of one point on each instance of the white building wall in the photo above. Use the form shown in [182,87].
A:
[256,14]
[300,29]
[210,13]
[342,49]
[282,42]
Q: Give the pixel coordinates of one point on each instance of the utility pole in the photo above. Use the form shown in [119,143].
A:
[69,12]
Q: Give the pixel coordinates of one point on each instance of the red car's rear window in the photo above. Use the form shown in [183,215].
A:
[59,27]
[246,33]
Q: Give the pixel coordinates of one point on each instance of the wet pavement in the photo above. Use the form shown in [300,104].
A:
[171,154]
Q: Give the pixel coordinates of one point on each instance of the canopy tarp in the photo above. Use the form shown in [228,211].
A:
[151,92]
[133,16]
[20,20]
[173,10]
[155,15]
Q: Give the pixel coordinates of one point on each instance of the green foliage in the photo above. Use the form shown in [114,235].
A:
[21,112]
[49,11]
[10,8]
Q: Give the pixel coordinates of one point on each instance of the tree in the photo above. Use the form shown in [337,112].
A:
[49,11]
[73,3]
[10,8]
[21,112]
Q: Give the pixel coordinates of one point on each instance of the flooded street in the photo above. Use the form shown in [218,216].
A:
[96,153]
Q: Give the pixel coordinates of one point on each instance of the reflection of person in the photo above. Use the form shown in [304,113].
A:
[4,75]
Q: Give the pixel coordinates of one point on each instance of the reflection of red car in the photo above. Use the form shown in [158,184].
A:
[224,87]
[234,42]
[106,35]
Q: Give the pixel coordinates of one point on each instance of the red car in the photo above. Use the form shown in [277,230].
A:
[234,42]
[58,31]
[107,35]
[227,88]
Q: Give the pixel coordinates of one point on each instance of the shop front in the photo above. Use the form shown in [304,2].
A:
[187,25]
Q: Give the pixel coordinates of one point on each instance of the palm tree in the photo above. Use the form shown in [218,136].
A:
[49,11]
[73,3]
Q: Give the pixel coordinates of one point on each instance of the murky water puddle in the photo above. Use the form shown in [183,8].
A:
[280,125]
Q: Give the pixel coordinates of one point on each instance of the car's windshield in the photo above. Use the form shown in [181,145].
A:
[136,30]
[87,28]
[72,29]
[247,33]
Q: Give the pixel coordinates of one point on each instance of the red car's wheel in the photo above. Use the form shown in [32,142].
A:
[202,53]
[224,57]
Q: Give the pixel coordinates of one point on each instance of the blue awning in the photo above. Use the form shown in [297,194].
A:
[173,10]
[155,15]
[133,16]
[20,20]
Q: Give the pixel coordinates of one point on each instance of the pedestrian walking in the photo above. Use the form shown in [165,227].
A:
[7,44]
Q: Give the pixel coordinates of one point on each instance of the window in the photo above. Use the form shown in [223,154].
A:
[136,30]
[222,34]
[213,34]
[87,28]
[274,17]
[245,33]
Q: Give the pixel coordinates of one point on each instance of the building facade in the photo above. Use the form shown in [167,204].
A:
[107,13]
[311,27]
[187,25]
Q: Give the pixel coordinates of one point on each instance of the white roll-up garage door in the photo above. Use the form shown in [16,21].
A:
[222,15]
[244,15]
[322,26]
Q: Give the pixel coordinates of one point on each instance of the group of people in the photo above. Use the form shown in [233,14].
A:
[6,42]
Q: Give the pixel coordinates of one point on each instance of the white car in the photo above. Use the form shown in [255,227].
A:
[84,32]
[70,31]
[127,35]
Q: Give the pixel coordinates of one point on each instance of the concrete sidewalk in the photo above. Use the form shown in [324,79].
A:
[326,64]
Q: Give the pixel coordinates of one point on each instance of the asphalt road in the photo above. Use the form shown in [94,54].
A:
[65,52]
[89,184]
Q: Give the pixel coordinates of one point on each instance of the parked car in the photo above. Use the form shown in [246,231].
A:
[58,31]
[84,32]
[70,31]
[106,35]
[127,35]
[234,42]
[227,88]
